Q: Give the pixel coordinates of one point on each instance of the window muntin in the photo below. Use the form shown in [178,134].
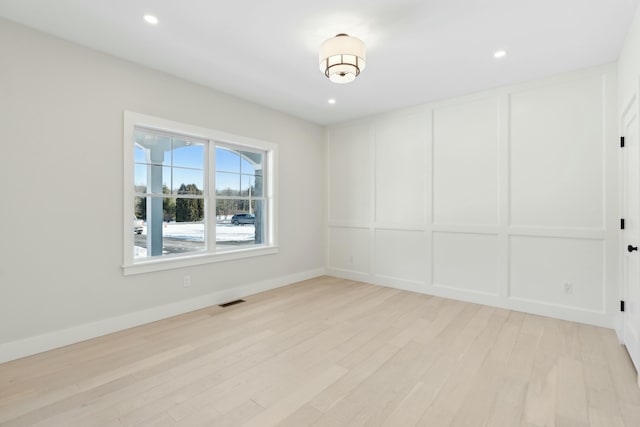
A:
[252,191]
[240,192]
[170,194]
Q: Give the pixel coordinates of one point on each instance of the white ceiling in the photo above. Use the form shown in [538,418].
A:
[417,50]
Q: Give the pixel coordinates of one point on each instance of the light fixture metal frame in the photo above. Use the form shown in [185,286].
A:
[342,58]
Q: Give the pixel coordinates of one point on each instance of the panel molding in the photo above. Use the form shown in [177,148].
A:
[400,255]
[504,231]
[605,320]
[397,169]
[478,274]
[588,290]
[360,211]
[400,227]
[560,118]
[467,229]
[410,284]
[559,306]
[468,291]
[568,233]
[349,224]
[480,147]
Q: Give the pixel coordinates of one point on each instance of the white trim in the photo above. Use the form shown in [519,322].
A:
[503,230]
[453,288]
[574,314]
[394,226]
[623,208]
[632,345]
[559,78]
[55,339]
[348,224]
[171,126]
[213,138]
[129,123]
[210,205]
[168,263]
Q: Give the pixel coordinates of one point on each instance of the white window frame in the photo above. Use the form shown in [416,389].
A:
[214,137]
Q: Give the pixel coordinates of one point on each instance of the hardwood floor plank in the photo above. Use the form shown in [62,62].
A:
[343,387]
[331,352]
[571,397]
[411,407]
[304,416]
[540,401]
[508,407]
[285,407]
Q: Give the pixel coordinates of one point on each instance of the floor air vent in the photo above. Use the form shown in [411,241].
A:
[230,303]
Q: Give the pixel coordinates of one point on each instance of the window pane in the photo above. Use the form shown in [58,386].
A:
[161,234]
[147,178]
[154,149]
[140,208]
[188,154]
[140,178]
[258,189]
[166,181]
[230,235]
[239,223]
[247,185]
[251,162]
[226,208]
[189,210]
[227,160]
[171,187]
[227,184]
[168,209]
[187,181]
[139,154]
[247,165]
[259,208]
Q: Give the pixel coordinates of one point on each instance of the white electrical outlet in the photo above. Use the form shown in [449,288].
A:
[186,282]
[568,288]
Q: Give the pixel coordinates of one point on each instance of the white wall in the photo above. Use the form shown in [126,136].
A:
[500,197]
[629,64]
[61,166]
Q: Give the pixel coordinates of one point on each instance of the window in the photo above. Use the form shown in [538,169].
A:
[239,197]
[169,193]
[197,195]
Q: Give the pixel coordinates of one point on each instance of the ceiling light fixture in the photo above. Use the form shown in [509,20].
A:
[151,19]
[500,54]
[342,58]
[331,101]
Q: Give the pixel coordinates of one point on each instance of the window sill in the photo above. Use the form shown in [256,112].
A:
[152,265]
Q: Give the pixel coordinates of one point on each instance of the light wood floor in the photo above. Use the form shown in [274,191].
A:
[331,352]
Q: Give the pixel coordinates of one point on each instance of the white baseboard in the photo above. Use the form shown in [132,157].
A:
[619,327]
[37,344]
[573,314]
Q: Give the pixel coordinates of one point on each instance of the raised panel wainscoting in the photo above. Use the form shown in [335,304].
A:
[497,198]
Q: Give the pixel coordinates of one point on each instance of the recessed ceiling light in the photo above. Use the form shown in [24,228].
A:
[500,54]
[332,101]
[151,19]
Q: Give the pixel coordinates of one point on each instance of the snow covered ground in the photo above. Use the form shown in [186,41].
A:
[194,232]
